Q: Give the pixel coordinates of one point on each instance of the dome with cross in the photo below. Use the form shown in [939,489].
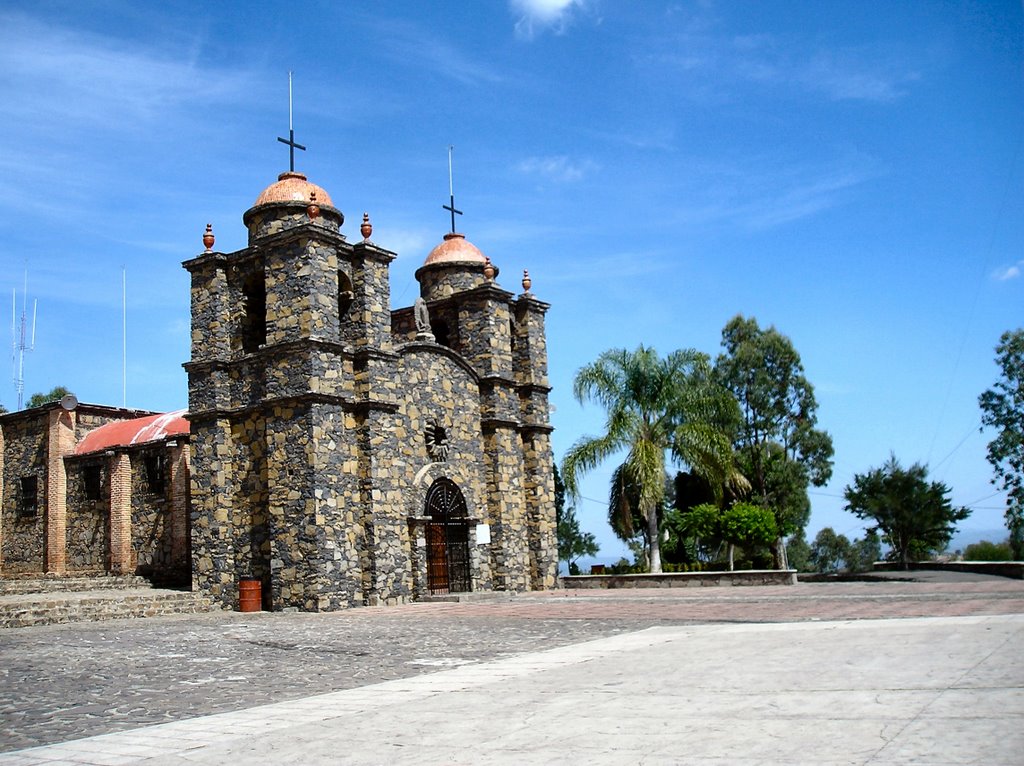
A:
[292,186]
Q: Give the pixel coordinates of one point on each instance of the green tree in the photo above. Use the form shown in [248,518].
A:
[829,551]
[779,450]
[654,408]
[698,530]
[1002,408]
[988,551]
[798,552]
[747,525]
[39,399]
[915,516]
[572,542]
[864,552]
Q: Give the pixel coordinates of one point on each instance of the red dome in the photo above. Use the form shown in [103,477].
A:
[293,187]
[455,249]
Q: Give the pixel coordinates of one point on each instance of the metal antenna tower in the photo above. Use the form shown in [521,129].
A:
[19,333]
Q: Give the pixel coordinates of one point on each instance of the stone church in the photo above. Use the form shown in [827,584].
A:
[337,451]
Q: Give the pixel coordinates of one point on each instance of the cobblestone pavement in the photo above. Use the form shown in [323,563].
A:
[66,681]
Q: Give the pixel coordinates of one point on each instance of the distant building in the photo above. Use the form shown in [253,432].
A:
[89,490]
[340,452]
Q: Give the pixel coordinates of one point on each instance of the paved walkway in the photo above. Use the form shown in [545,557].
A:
[741,675]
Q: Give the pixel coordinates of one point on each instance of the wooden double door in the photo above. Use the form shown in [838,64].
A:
[448,566]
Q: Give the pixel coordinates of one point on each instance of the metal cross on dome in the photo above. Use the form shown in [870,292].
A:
[292,146]
[451,191]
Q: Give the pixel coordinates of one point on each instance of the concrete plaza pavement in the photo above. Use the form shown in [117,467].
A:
[656,687]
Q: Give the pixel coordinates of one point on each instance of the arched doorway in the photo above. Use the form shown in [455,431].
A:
[447,539]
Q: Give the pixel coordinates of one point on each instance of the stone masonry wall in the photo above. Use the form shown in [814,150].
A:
[439,391]
[24,537]
[152,527]
[213,487]
[87,519]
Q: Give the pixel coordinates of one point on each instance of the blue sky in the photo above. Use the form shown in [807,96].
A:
[852,173]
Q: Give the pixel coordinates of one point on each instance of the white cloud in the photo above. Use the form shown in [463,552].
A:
[559,168]
[57,80]
[761,195]
[714,65]
[414,46]
[537,15]
[1006,273]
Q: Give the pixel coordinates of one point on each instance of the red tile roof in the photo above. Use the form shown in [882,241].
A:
[124,433]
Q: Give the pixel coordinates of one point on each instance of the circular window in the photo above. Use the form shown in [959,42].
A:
[437,441]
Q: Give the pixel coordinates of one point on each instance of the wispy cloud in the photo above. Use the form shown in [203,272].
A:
[613,266]
[1006,273]
[414,46]
[56,78]
[536,16]
[760,195]
[558,168]
[714,65]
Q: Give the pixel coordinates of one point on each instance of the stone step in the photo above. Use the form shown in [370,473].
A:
[478,597]
[70,583]
[25,610]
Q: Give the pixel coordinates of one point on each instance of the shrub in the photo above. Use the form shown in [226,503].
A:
[988,551]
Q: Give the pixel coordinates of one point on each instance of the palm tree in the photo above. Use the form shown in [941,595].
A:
[655,408]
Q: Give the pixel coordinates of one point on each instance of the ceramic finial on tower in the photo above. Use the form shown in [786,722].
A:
[208,238]
[527,282]
[366,228]
[312,209]
[489,270]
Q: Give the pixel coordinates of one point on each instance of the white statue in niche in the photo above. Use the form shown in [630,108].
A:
[422,316]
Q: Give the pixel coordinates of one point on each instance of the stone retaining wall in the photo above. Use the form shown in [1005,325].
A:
[1012,569]
[682,579]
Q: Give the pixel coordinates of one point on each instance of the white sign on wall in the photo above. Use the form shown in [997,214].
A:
[483,534]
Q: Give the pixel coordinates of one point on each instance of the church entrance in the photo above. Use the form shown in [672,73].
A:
[447,539]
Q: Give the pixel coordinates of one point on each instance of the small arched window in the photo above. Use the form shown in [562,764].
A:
[254,324]
[345,296]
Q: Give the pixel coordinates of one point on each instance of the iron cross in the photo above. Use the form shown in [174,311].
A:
[451,192]
[292,146]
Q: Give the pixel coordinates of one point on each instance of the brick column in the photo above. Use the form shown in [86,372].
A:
[60,441]
[120,514]
[178,505]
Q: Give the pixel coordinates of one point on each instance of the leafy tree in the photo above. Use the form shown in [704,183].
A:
[988,551]
[864,553]
[39,399]
[1002,408]
[829,551]
[573,543]
[915,516]
[559,492]
[655,407]
[698,530]
[747,525]
[779,450]
[798,552]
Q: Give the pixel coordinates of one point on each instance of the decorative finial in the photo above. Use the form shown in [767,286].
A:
[366,228]
[208,238]
[313,209]
[292,146]
[488,270]
[526,281]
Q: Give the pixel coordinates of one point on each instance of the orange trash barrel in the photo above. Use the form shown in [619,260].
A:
[250,595]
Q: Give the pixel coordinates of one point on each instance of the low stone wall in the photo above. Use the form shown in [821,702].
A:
[682,579]
[1012,569]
